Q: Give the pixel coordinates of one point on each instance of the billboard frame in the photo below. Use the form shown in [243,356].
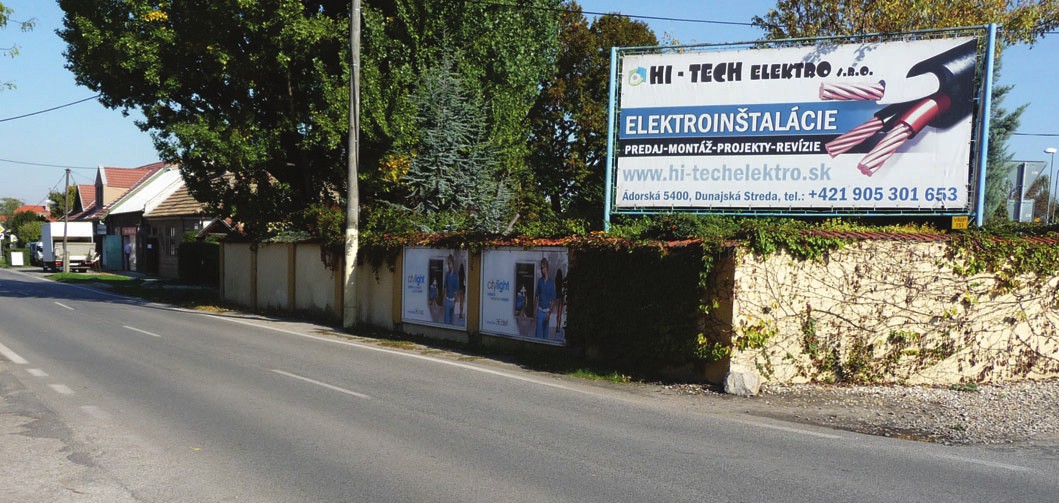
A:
[979,141]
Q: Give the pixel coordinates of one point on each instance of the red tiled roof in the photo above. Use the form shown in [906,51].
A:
[87,196]
[125,178]
[40,210]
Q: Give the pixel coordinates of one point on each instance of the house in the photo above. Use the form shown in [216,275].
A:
[94,201]
[149,221]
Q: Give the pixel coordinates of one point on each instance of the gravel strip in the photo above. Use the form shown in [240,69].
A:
[1012,413]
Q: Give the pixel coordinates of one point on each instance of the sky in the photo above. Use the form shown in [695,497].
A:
[35,151]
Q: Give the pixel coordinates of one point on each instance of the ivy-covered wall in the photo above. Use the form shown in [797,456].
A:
[636,306]
[940,312]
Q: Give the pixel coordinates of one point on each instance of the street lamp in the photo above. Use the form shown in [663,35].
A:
[1051,181]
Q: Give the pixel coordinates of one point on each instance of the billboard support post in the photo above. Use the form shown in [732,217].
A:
[983,144]
[611,117]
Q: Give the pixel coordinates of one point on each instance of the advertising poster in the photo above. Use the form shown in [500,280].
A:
[856,126]
[524,293]
[435,287]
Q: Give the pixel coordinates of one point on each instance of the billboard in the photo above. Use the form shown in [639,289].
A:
[854,127]
[435,287]
[524,293]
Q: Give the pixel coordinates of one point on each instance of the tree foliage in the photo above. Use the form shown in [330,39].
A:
[61,202]
[8,205]
[1022,21]
[1004,123]
[454,167]
[247,96]
[25,225]
[569,119]
[11,50]
[250,97]
[501,51]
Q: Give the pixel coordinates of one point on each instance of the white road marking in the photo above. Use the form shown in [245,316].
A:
[61,389]
[60,304]
[140,331]
[323,384]
[991,464]
[96,412]
[37,373]
[792,430]
[11,355]
[409,355]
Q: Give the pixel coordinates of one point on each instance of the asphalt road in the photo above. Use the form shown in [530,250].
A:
[104,398]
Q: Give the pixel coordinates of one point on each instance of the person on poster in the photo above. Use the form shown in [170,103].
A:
[545,296]
[451,288]
[560,301]
[461,297]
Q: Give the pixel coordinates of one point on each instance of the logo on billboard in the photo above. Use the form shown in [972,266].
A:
[637,76]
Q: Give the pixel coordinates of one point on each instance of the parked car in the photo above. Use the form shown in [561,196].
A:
[36,253]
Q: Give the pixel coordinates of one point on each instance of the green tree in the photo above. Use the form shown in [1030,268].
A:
[25,225]
[249,97]
[8,205]
[11,50]
[59,201]
[454,166]
[501,50]
[569,119]
[1003,124]
[1023,21]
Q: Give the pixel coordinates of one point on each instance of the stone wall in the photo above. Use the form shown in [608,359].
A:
[889,311]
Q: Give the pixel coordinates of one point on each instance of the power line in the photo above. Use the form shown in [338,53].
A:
[50,109]
[1035,134]
[47,165]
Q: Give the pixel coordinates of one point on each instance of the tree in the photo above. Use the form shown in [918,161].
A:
[26,225]
[1002,126]
[453,165]
[247,96]
[501,50]
[250,97]
[569,120]
[1023,21]
[12,50]
[8,205]
[61,202]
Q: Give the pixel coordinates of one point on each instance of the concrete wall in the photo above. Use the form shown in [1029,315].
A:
[881,311]
[273,276]
[314,283]
[291,277]
[890,311]
[238,276]
[376,291]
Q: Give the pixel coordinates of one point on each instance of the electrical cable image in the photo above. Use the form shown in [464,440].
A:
[894,125]
[871,91]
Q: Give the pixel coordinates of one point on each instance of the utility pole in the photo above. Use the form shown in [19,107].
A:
[349,308]
[66,222]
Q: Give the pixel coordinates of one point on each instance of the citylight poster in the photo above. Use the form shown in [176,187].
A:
[524,293]
[855,126]
[435,287]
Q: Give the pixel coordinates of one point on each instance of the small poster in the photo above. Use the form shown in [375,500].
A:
[524,293]
[435,287]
